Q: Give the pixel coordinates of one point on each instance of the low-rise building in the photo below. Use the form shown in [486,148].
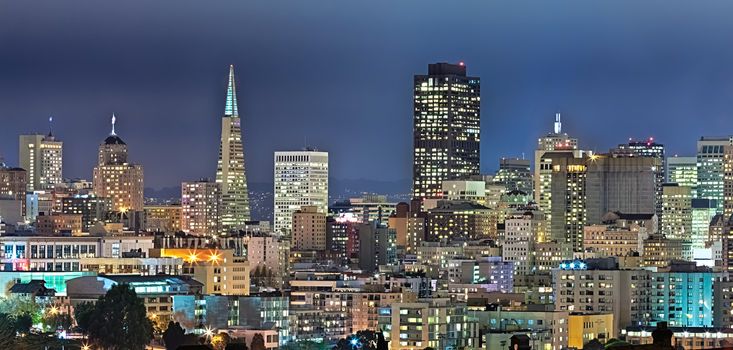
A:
[219,270]
[437,323]
[583,328]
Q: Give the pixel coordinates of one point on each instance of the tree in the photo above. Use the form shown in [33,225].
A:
[7,332]
[20,305]
[366,340]
[83,314]
[173,336]
[119,320]
[236,344]
[56,321]
[258,342]
[23,323]
[304,345]
[220,341]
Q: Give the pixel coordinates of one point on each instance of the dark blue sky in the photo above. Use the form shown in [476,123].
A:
[339,74]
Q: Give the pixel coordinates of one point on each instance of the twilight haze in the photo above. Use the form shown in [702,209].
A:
[340,77]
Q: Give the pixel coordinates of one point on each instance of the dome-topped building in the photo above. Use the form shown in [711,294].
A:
[115,178]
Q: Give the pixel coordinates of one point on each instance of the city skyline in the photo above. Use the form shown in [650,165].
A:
[528,76]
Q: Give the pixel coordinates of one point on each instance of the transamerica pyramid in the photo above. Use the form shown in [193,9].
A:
[230,172]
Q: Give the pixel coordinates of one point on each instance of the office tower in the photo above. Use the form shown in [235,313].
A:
[301,179]
[12,183]
[201,204]
[565,190]
[309,229]
[579,191]
[649,149]
[677,212]
[446,129]
[515,175]
[703,212]
[230,171]
[710,154]
[92,209]
[42,158]
[682,171]
[557,142]
[115,178]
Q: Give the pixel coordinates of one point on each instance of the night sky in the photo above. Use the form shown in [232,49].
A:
[337,75]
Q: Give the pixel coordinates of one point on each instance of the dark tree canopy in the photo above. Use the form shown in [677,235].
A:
[258,342]
[82,314]
[173,336]
[120,321]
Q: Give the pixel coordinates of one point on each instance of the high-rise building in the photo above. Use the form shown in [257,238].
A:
[446,129]
[557,142]
[230,171]
[677,212]
[301,179]
[201,207]
[683,171]
[710,173]
[649,149]
[42,158]
[309,229]
[115,178]
[579,191]
[515,174]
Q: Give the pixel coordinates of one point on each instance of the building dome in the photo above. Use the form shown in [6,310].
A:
[113,140]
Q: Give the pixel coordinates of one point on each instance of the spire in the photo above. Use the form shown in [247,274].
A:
[114,119]
[50,126]
[230,110]
[558,123]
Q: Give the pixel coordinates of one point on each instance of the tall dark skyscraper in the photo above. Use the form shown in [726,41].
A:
[230,172]
[446,129]
[649,149]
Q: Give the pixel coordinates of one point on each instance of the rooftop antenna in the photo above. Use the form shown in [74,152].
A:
[558,123]
[114,120]
[50,126]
